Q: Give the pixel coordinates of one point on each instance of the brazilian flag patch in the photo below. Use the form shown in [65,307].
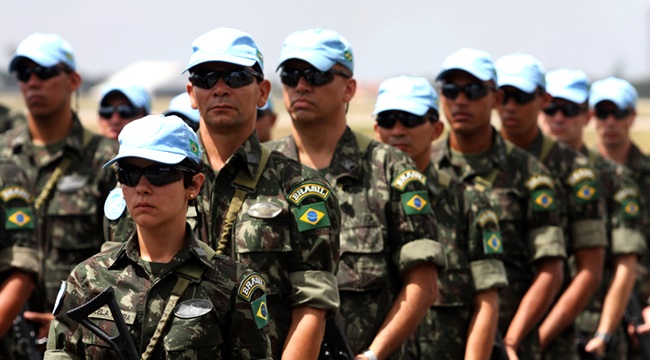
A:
[543,200]
[194,148]
[312,216]
[260,312]
[585,192]
[630,208]
[19,218]
[492,242]
[416,202]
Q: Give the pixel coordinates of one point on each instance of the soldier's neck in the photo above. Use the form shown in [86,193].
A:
[475,143]
[316,142]
[219,146]
[50,129]
[524,140]
[618,153]
[160,243]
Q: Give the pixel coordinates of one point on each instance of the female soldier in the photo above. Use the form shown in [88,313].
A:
[221,313]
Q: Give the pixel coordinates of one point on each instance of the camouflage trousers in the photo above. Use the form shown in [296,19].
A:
[564,346]
[442,333]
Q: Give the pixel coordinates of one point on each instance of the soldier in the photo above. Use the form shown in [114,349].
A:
[523,195]
[275,215]
[20,266]
[389,259]
[62,161]
[219,311]
[181,106]
[462,323]
[9,119]
[265,120]
[566,116]
[119,104]
[521,79]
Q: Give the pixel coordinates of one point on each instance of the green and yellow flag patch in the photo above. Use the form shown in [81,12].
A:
[492,243]
[19,218]
[630,208]
[416,202]
[585,192]
[313,216]
[543,200]
[260,312]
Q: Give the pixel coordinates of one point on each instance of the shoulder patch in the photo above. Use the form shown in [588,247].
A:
[16,192]
[406,177]
[416,202]
[248,286]
[312,216]
[260,312]
[304,191]
[487,216]
[586,192]
[59,298]
[628,192]
[543,200]
[492,243]
[19,218]
[581,174]
[115,204]
[630,208]
[538,180]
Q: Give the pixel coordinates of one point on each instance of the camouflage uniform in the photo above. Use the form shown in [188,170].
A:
[387,228]
[296,256]
[582,211]
[71,217]
[18,241]
[523,195]
[233,328]
[624,234]
[10,119]
[469,231]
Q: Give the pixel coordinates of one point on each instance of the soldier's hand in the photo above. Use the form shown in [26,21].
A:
[645,327]
[596,346]
[43,321]
[512,353]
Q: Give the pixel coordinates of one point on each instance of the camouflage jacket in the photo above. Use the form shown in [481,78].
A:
[71,218]
[469,231]
[296,254]
[523,194]
[387,228]
[231,325]
[10,119]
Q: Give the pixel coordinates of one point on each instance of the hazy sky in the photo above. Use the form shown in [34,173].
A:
[597,36]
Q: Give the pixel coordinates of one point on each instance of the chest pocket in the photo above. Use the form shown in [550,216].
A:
[193,338]
[264,242]
[363,264]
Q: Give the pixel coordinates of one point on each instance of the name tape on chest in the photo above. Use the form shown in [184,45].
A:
[307,190]
[406,177]
[16,192]
[536,181]
[104,313]
[249,285]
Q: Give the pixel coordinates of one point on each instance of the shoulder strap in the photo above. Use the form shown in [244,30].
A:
[363,140]
[547,145]
[243,184]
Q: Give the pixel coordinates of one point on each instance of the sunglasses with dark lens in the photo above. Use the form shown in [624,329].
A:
[388,119]
[603,114]
[41,72]
[290,77]
[568,109]
[520,97]
[124,111]
[472,91]
[233,78]
[157,175]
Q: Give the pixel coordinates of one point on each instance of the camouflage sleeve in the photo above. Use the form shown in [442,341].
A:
[315,229]
[249,337]
[545,236]
[18,234]
[484,241]
[412,223]
[65,336]
[586,207]
[627,236]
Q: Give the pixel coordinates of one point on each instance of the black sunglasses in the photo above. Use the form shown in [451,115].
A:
[233,78]
[41,72]
[568,109]
[520,97]
[157,175]
[124,111]
[603,114]
[388,119]
[472,91]
[290,77]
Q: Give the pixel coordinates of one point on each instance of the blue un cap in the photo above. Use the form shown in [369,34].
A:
[182,104]
[137,95]
[478,63]
[568,84]
[163,139]
[225,45]
[616,90]
[406,93]
[321,48]
[46,50]
[521,71]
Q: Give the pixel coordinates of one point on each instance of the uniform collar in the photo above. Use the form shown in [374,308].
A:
[637,160]
[73,141]
[432,180]
[250,152]
[347,156]
[496,154]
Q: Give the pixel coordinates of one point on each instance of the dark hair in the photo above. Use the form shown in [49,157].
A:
[188,175]
[432,115]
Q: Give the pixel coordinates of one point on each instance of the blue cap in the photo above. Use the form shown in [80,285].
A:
[182,104]
[521,71]
[567,84]
[616,90]
[406,93]
[321,48]
[46,50]
[137,95]
[225,45]
[476,62]
[163,139]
